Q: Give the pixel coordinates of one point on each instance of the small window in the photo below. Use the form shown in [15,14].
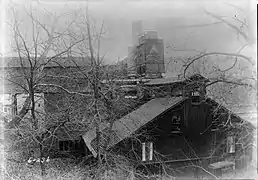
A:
[147,151]
[131,94]
[175,119]
[196,93]
[195,97]
[143,69]
[175,124]
[61,145]
[111,95]
[231,144]
[69,145]
[7,109]
[151,150]
[77,144]
[65,145]
[144,151]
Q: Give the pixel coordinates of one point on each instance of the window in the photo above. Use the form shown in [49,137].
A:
[69,145]
[151,151]
[195,97]
[77,144]
[195,93]
[131,94]
[230,144]
[147,151]
[142,69]
[175,123]
[143,151]
[112,94]
[63,145]
[6,109]
[175,119]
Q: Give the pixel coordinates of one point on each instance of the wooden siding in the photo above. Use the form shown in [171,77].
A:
[196,140]
[169,146]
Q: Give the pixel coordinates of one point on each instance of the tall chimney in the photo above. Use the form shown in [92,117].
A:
[136,31]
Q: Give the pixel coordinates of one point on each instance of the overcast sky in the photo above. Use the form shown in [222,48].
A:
[182,24]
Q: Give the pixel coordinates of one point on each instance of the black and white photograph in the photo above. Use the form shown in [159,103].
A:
[128,90]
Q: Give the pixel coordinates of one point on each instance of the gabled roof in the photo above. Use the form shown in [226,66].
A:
[131,122]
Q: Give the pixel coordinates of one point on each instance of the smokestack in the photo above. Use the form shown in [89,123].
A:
[136,31]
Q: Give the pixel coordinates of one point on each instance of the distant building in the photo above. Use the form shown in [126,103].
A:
[49,101]
[136,31]
[177,125]
[150,55]
[130,62]
[146,55]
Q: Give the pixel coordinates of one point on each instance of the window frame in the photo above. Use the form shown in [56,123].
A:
[69,145]
[231,146]
[147,151]
[5,109]
[195,97]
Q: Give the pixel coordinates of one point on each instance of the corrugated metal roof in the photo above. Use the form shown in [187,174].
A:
[90,136]
[133,121]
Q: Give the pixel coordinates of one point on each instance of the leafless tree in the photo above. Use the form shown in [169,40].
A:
[34,50]
[108,101]
[209,64]
[102,103]
[229,85]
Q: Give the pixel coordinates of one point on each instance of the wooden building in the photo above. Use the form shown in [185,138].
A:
[52,109]
[174,121]
[66,115]
[178,124]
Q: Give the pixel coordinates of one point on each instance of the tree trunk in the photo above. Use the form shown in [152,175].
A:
[95,89]
[42,165]
[36,126]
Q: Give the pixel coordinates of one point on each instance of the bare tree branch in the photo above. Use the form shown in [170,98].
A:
[243,34]
[64,89]
[217,53]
